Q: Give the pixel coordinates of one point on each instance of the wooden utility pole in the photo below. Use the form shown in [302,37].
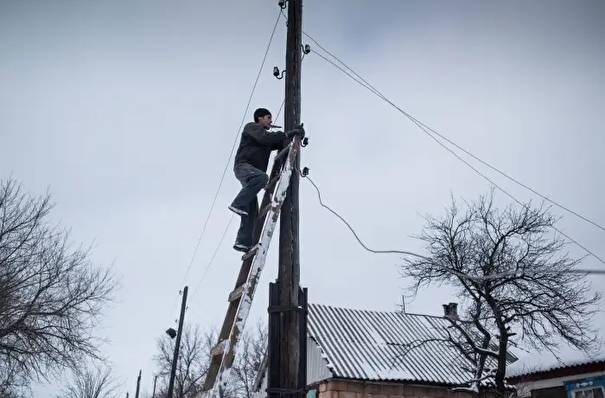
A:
[136,394]
[177,343]
[155,380]
[288,278]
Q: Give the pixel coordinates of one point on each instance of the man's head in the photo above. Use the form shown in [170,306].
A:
[262,116]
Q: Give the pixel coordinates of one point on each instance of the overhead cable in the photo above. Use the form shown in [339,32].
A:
[428,131]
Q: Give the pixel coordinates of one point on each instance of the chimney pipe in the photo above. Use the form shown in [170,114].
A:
[454,310]
[450,310]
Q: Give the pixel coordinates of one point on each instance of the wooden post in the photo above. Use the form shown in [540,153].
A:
[302,369]
[273,356]
[288,278]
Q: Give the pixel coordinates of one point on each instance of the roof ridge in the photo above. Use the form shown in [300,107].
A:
[373,310]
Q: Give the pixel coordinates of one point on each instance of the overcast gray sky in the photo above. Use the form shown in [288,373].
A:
[128,112]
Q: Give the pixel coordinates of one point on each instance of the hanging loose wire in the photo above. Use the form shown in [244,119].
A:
[444,268]
[279,15]
[428,131]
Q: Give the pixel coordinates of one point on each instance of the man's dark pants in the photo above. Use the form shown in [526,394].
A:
[252,180]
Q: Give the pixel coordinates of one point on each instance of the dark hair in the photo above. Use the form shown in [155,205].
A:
[260,112]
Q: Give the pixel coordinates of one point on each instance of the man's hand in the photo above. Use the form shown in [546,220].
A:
[300,131]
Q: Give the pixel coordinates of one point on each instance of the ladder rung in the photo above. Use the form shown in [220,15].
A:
[271,184]
[265,210]
[218,349]
[237,293]
[282,153]
[250,252]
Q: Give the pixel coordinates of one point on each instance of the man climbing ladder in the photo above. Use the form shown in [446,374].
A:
[250,168]
[252,158]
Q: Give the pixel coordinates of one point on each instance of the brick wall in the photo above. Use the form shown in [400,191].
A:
[363,389]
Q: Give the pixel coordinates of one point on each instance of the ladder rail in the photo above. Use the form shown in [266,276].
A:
[258,263]
[242,277]
[240,299]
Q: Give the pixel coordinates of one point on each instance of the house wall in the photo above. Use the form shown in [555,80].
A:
[550,392]
[586,387]
[365,389]
[524,389]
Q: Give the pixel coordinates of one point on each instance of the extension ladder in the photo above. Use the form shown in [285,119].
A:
[240,299]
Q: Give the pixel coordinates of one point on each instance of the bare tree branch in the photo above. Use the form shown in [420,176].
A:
[537,299]
[51,296]
[13,382]
[253,346]
[192,365]
[194,361]
[92,382]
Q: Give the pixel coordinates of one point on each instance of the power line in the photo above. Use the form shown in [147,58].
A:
[213,256]
[378,93]
[232,149]
[454,272]
[426,129]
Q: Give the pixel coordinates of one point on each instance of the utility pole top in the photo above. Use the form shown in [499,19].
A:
[177,343]
[136,394]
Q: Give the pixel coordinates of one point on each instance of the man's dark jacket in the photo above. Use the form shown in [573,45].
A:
[256,144]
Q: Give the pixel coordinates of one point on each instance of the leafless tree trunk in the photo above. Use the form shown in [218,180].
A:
[536,299]
[51,296]
[194,361]
[472,347]
[96,382]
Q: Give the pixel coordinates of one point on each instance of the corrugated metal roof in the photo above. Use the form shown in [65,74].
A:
[377,345]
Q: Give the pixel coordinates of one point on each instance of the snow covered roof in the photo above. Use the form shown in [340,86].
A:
[537,362]
[377,345]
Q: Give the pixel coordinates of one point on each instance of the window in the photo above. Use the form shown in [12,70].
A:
[588,387]
[596,392]
[550,392]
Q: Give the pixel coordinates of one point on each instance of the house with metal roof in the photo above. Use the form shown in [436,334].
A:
[542,376]
[382,353]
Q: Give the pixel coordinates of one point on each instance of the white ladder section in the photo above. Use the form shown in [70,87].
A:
[240,299]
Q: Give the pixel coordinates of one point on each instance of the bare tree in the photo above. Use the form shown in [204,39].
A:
[51,296]
[528,298]
[194,361]
[13,383]
[248,361]
[192,364]
[471,345]
[92,382]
